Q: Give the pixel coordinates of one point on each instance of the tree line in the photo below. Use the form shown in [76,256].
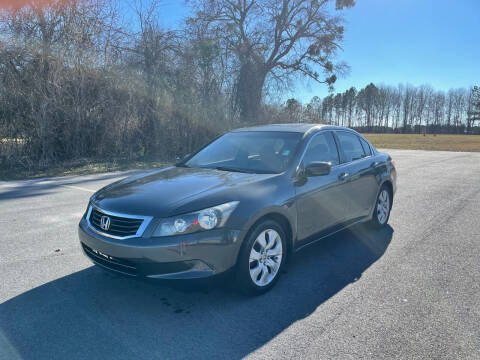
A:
[404,108]
[103,79]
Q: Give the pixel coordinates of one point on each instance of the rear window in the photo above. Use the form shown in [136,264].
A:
[366,147]
[351,146]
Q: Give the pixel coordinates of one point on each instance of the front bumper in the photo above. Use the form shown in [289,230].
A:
[190,256]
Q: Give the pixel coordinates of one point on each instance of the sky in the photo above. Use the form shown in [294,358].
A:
[415,42]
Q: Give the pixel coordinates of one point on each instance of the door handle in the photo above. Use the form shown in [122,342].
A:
[342,176]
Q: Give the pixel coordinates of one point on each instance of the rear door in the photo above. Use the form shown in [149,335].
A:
[359,171]
[321,200]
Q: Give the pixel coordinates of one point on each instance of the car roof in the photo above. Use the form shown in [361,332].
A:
[294,127]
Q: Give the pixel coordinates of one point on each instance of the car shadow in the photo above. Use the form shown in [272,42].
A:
[92,314]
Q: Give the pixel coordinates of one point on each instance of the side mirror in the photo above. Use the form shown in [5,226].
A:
[318,168]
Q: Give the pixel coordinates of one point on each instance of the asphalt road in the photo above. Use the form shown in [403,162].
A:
[410,291]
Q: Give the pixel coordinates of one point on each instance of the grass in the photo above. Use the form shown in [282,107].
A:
[469,143]
[79,167]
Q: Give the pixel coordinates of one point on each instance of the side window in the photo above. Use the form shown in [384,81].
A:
[350,145]
[366,147]
[322,148]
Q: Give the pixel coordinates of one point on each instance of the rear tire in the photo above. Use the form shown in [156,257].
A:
[383,206]
[261,258]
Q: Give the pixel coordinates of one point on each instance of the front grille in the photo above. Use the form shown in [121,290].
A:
[119,226]
[110,262]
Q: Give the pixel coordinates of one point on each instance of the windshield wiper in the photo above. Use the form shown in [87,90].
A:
[226,168]
[247,171]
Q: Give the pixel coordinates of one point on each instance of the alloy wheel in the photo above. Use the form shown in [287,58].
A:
[383,206]
[265,257]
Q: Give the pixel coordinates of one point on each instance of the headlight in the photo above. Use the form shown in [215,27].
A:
[205,219]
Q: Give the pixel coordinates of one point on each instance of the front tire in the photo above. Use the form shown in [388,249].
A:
[261,258]
[383,206]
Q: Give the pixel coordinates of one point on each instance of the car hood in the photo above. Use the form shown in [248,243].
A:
[161,193]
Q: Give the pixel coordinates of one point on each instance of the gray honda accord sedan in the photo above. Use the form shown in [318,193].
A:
[244,202]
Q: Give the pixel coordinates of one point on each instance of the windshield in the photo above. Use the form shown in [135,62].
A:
[249,151]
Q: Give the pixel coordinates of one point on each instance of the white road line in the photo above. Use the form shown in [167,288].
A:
[78,188]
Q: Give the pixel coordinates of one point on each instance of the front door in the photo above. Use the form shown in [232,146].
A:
[321,200]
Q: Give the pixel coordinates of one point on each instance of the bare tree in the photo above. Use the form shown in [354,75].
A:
[366,100]
[439,108]
[338,105]
[423,94]
[293,109]
[314,110]
[274,39]
[350,97]
[327,109]
[459,106]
